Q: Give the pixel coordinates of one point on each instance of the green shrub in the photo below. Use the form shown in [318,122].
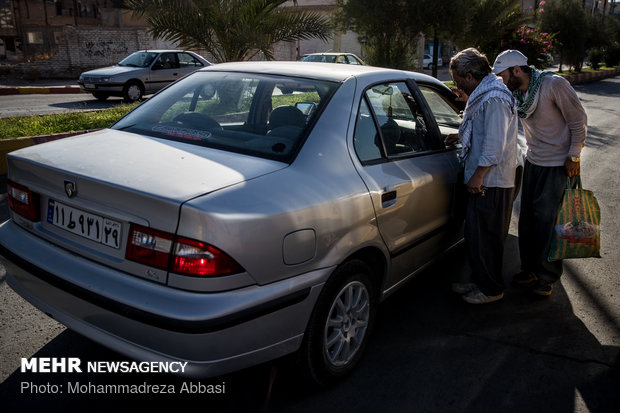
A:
[595,58]
[612,55]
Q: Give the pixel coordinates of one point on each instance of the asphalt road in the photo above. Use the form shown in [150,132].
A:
[430,352]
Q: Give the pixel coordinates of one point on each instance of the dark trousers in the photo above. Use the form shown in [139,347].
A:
[541,195]
[487,220]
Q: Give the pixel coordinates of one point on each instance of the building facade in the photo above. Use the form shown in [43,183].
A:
[62,38]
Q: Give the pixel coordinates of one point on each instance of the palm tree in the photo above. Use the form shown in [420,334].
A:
[230,30]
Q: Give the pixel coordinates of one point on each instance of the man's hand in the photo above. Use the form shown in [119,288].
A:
[572,168]
[474,186]
[451,139]
[460,95]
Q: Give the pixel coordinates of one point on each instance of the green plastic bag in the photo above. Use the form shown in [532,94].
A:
[577,231]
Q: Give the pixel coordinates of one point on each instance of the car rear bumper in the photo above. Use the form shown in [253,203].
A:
[214,332]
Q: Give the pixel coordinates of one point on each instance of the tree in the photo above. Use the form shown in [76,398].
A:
[388,29]
[490,23]
[445,21]
[569,22]
[230,30]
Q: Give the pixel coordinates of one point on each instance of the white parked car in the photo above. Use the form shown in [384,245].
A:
[141,73]
[427,63]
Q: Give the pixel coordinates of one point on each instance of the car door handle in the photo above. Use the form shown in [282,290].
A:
[388,199]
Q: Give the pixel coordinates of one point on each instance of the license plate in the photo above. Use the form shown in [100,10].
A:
[89,85]
[84,224]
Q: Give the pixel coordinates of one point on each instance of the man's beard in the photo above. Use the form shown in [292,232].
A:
[514,83]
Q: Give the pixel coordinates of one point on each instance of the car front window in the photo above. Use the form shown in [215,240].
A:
[391,120]
[138,59]
[258,115]
[187,60]
[446,113]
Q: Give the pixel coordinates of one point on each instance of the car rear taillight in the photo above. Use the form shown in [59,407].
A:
[197,258]
[23,201]
[149,246]
[178,255]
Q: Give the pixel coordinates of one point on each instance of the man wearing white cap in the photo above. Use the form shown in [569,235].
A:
[555,126]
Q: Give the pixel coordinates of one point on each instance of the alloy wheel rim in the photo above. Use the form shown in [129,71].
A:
[347,323]
[134,92]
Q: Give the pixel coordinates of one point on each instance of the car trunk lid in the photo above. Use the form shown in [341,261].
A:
[118,178]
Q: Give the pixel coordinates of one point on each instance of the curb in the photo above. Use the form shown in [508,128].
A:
[592,76]
[21,90]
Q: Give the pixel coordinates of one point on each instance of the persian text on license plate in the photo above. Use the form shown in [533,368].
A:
[84,224]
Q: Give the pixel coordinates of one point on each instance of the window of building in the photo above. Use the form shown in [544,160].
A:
[34,37]
[6,16]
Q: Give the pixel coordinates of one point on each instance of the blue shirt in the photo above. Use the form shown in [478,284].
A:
[494,144]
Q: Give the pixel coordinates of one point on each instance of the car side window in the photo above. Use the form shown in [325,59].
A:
[402,127]
[366,140]
[187,60]
[167,61]
[446,114]
[352,60]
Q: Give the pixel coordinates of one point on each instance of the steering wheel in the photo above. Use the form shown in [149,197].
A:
[197,120]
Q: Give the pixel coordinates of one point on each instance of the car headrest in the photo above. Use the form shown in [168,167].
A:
[286,116]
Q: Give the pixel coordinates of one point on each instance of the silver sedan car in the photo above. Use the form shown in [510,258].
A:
[225,223]
[141,73]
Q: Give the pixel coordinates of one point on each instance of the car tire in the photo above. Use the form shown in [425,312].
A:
[101,96]
[340,325]
[133,91]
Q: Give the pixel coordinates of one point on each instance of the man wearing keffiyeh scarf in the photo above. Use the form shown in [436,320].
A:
[489,137]
[555,126]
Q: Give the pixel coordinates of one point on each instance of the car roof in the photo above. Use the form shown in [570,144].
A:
[319,71]
[163,51]
[329,53]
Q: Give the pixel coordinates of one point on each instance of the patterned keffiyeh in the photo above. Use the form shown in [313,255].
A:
[527,105]
[490,87]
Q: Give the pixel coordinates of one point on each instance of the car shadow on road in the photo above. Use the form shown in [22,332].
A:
[88,104]
[430,352]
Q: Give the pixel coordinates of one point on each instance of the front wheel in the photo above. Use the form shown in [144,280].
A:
[341,323]
[132,92]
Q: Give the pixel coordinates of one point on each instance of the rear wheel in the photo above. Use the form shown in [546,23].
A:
[341,323]
[132,91]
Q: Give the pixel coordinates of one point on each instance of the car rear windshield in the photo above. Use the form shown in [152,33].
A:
[259,115]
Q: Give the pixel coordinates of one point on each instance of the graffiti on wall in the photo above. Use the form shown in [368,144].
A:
[105,49]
